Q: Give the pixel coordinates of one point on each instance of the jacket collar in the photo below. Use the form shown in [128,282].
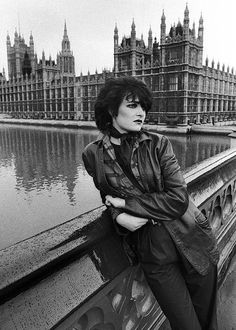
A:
[105,137]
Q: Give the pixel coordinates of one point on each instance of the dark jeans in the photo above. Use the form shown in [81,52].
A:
[187,298]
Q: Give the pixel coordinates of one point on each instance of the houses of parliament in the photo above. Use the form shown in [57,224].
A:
[185,90]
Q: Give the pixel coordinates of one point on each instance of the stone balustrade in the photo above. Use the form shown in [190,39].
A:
[77,275]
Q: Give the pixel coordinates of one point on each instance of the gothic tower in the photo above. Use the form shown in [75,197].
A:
[65,59]
[16,55]
[132,56]
[181,62]
[181,45]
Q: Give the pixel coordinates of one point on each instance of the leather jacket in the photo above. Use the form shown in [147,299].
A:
[164,195]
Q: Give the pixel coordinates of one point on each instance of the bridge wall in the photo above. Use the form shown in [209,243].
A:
[77,275]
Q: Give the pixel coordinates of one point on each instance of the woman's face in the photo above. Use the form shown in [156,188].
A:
[130,116]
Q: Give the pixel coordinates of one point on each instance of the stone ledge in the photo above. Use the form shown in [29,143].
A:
[41,253]
[208,165]
[51,123]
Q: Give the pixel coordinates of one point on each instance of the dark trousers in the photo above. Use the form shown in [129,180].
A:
[187,298]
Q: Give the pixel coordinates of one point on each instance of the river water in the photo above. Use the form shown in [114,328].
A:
[43,181]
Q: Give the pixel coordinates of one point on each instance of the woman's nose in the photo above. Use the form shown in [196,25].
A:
[141,112]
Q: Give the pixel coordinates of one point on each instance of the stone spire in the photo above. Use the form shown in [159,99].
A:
[43,57]
[193,30]
[133,36]
[116,46]
[163,27]
[116,36]
[200,29]
[65,58]
[65,45]
[133,48]
[150,41]
[186,22]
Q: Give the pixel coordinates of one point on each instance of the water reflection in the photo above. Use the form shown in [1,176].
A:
[45,157]
[192,149]
[43,181]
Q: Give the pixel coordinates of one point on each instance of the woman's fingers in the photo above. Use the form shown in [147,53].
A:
[107,200]
[114,201]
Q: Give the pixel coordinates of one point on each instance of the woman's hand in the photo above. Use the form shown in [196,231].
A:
[130,222]
[114,201]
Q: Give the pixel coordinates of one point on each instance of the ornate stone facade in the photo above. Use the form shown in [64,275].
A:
[185,90]
[42,88]
[17,53]
[88,89]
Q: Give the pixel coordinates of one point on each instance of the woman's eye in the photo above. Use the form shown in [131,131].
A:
[132,105]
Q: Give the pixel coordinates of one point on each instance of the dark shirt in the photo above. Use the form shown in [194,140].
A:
[123,160]
[123,152]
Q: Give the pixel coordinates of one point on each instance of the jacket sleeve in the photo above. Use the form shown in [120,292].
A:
[113,210]
[91,171]
[172,202]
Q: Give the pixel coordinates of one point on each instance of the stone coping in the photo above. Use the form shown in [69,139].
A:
[37,254]
[205,167]
[47,122]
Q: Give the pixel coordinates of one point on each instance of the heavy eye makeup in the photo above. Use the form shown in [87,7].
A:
[132,105]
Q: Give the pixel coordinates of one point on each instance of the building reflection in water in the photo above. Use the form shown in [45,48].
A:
[44,182]
[192,149]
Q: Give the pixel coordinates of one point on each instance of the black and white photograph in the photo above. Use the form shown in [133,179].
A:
[117,165]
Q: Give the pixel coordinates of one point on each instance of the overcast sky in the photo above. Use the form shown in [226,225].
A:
[90,26]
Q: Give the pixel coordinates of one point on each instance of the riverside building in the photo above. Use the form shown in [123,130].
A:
[42,88]
[185,90]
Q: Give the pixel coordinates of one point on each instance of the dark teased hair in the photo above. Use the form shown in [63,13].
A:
[112,95]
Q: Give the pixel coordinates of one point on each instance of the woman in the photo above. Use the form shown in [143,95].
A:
[141,183]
